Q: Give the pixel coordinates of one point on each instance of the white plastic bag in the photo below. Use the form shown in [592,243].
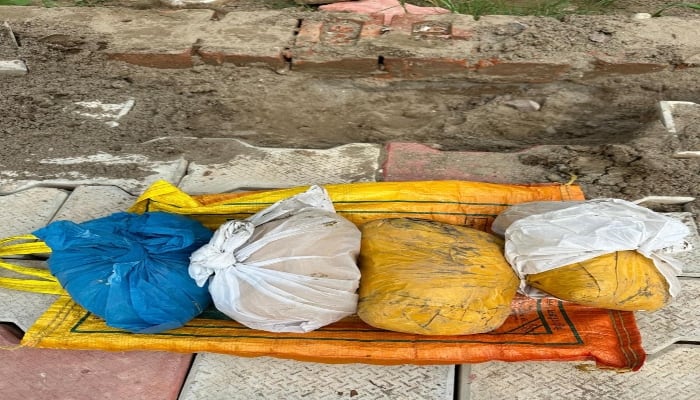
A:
[289,268]
[554,239]
[522,210]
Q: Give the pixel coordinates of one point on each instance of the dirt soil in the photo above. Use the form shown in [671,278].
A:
[605,131]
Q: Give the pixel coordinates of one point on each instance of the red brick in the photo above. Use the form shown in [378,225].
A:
[341,66]
[415,162]
[341,32]
[487,62]
[373,28]
[534,72]
[219,57]
[405,23]
[424,67]
[309,33]
[461,34]
[683,66]
[626,68]
[336,32]
[30,373]
[156,60]
[431,30]
[354,47]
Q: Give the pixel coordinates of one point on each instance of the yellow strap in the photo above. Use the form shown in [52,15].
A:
[27,244]
[165,192]
[28,236]
[32,285]
[39,273]
[24,249]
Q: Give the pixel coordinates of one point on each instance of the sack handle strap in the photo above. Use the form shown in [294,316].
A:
[26,245]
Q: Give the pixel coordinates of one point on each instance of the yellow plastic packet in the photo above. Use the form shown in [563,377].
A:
[431,278]
[623,280]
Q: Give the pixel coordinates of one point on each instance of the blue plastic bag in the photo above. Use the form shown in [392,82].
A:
[130,269]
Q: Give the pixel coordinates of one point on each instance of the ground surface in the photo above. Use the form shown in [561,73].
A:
[604,130]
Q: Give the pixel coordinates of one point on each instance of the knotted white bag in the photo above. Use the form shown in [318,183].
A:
[289,268]
[585,230]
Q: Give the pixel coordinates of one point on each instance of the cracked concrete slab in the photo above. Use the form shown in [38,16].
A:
[90,202]
[132,172]
[672,375]
[249,167]
[23,213]
[28,210]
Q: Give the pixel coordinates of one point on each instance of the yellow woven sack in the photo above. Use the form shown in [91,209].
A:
[474,204]
[623,280]
[431,278]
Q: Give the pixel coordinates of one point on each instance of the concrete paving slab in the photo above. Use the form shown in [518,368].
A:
[24,212]
[28,210]
[672,375]
[23,308]
[415,161]
[216,376]
[90,202]
[691,256]
[678,321]
[133,173]
[262,167]
[29,373]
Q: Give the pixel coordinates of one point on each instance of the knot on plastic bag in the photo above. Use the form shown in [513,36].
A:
[220,252]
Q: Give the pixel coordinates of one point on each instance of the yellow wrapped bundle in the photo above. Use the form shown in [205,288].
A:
[431,278]
[623,280]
